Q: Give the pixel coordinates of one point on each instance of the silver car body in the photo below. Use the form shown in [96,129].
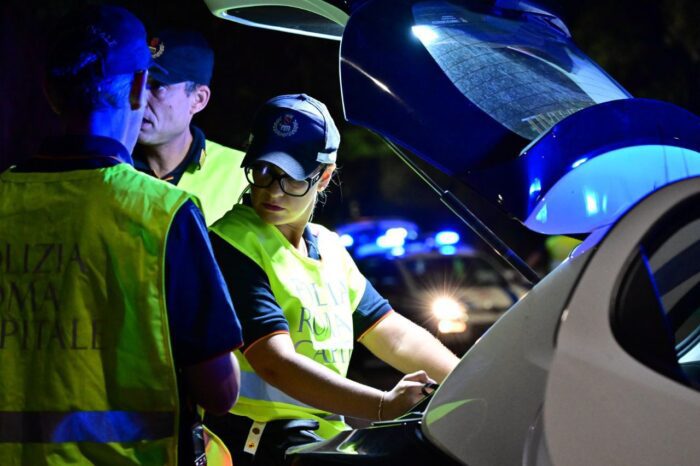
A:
[550,384]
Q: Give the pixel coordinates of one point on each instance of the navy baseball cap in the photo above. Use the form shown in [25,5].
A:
[181,56]
[107,40]
[294,132]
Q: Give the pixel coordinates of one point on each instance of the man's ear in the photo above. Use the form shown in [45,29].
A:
[326,177]
[201,98]
[137,93]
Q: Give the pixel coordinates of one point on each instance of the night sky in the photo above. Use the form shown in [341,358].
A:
[652,47]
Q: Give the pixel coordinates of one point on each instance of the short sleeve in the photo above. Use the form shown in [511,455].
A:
[203,323]
[372,308]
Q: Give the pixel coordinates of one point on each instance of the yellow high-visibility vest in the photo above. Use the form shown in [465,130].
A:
[317,298]
[217,181]
[87,366]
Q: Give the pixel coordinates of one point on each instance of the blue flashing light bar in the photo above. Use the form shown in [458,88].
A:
[448,250]
[369,249]
[393,238]
[446,237]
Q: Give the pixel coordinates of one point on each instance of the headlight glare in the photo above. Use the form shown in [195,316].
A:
[447,308]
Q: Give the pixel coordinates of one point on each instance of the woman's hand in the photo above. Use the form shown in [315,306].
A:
[407,393]
[275,360]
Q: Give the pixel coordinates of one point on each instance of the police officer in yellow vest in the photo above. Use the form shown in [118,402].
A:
[559,247]
[114,317]
[169,146]
[303,301]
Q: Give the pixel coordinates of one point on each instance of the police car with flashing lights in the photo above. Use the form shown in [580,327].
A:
[599,364]
[451,289]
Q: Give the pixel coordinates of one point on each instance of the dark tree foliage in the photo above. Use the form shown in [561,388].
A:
[652,47]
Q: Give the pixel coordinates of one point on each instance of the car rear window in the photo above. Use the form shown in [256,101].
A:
[520,68]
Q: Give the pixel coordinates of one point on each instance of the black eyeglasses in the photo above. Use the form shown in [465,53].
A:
[262,176]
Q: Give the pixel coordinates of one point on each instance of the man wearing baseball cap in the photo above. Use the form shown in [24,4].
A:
[305,301]
[170,147]
[104,350]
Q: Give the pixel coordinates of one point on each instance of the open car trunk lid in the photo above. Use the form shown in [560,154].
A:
[497,95]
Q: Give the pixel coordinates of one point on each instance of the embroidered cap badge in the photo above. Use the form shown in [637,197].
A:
[285,126]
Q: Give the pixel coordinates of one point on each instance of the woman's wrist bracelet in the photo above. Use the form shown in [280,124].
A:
[381,406]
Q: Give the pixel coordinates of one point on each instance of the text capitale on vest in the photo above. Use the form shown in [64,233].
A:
[322,330]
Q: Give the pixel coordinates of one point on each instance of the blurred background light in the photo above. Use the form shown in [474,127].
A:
[446,237]
[346,240]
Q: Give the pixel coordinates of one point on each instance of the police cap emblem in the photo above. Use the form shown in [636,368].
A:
[156,47]
[285,126]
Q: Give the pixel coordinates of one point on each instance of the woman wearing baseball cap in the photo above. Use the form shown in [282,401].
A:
[302,301]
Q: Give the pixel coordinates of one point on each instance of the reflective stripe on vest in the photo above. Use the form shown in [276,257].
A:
[86,355]
[84,426]
[252,386]
[217,182]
